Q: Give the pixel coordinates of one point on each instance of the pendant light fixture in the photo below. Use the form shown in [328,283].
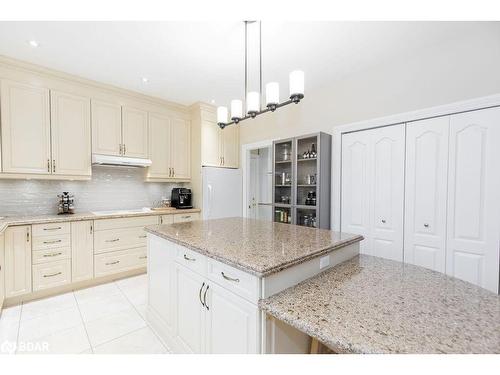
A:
[252,103]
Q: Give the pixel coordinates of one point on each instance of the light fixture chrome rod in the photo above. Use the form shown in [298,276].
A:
[295,100]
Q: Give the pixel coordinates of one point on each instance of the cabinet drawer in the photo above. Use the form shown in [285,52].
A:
[51,255]
[51,242]
[239,282]
[128,222]
[50,229]
[119,239]
[166,219]
[49,275]
[182,218]
[192,260]
[119,261]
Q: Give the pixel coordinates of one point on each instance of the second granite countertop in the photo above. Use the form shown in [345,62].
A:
[254,246]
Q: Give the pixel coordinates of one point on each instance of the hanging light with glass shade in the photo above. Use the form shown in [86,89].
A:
[252,103]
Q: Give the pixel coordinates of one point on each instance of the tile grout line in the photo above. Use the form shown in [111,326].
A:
[83,322]
[147,323]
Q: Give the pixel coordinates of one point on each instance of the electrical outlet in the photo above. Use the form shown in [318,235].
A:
[324,262]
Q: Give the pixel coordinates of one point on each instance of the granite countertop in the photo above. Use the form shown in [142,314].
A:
[42,219]
[373,305]
[254,246]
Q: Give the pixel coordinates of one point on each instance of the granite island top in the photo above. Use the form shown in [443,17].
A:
[373,305]
[7,221]
[254,246]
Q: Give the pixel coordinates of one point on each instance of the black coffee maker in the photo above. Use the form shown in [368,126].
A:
[181,198]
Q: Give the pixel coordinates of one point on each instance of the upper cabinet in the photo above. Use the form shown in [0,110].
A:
[106,128]
[169,148]
[25,128]
[134,132]
[70,134]
[219,148]
[42,136]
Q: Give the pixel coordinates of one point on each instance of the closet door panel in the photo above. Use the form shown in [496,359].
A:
[474,198]
[426,192]
[387,191]
[355,187]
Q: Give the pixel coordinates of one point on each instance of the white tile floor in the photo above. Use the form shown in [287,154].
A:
[106,319]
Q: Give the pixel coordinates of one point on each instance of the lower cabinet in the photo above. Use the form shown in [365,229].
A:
[2,272]
[52,274]
[183,218]
[119,261]
[82,250]
[17,260]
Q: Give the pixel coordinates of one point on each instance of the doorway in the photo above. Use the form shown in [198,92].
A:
[259,192]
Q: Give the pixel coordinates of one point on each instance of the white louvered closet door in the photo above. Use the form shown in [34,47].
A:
[473,219]
[426,192]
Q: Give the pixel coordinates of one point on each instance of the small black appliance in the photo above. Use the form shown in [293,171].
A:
[181,198]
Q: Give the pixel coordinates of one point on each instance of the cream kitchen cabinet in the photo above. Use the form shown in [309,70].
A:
[169,148]
[82,250]
[106,128]
[183,218]
[25,128]
[134,132]
[219,148]
[70,134]
[17,260]
[2,271]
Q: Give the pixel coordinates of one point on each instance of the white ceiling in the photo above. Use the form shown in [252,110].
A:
[190,61]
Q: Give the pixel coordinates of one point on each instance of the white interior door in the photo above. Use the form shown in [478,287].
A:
[253,188]
[355,215]
[474,198]
[426,192]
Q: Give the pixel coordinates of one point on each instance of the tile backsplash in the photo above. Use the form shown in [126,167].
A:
[110,188]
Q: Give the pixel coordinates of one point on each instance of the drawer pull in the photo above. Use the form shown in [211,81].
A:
[189,259]
[50,242]
[111,263]
[229,278]
[205,297]
[113,240]
[55,228]
[144,236]
[144,257]
[199,295]
[186,217]
[51,255]
[53,274]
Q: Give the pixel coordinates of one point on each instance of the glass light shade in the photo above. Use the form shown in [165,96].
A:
[253,102]
[296,83]
[221,115]
[236,109]
[272,93]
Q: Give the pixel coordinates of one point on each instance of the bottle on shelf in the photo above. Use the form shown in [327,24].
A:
[313,154]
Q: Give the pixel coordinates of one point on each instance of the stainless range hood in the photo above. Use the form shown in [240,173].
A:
[120,161]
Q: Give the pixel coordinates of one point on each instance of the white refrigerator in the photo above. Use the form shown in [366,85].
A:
[222,192]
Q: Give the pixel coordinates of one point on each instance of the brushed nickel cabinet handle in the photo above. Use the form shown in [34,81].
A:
[51,255]
[48,165]
[143,257]
[55,228]
[426,225]
[121,149]
[189,259]
[51,242]
[53,274]
[27,234]
[186,217]
[113,240]
[205,297]
[111,263]
[124,149]
[144,236]
[91,229]
[229,278]
[54,165]
[199,294]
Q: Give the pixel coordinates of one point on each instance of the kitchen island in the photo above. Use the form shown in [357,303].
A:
[374,305]
[206,279]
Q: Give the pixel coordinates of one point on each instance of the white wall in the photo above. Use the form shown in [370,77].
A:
[463,69]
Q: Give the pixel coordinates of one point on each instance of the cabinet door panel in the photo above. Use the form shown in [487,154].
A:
[232,323]
[210,144]
[2,272]
[473,219]
[82,250]
[189,312]
[230,146]
[160,141]
[106,128]
[17,261]
[181,149]
[426,191]
[135,132]
[25,128]
[71,139]
[356,187]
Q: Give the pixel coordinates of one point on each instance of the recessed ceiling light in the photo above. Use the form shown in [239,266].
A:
[145,80]
[33,43]
[212,101]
